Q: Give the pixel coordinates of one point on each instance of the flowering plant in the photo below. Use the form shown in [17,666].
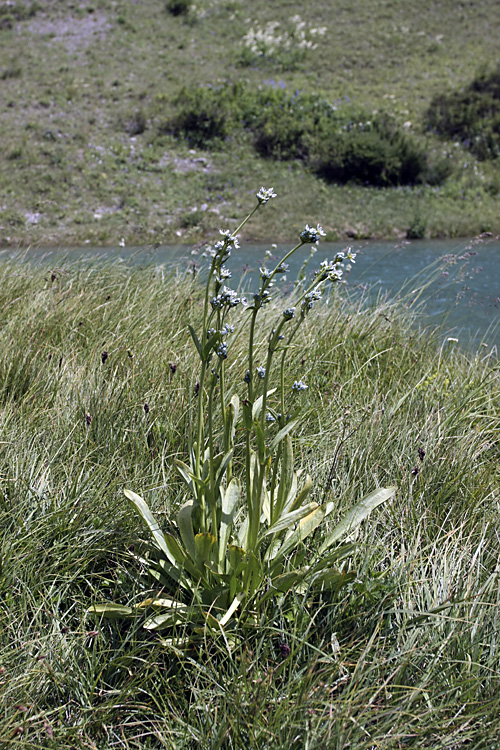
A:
[240,533]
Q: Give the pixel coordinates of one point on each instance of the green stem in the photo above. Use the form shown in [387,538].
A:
[250,354]
[240,226]
[211,483]
[283,260]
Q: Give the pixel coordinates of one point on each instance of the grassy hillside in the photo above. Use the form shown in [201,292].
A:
[87,87]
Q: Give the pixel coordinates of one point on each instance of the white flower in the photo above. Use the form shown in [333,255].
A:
[265,194]
[311,234]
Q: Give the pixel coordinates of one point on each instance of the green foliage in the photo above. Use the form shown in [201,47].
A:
[471,116]
[240,534]
[17,11]
[206,116]
[165,54]
[416,230]
[178,7]
[342,143]
[375,152]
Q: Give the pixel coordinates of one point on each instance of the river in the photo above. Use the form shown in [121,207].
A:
[453,284]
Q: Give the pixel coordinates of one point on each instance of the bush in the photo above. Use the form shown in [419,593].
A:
[471,116]
[373,153]
[282,124]
[178,7]
[286,126]
[341,143]
[207,116]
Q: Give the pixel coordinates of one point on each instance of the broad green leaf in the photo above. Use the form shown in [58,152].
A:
[210,345]
[196,340]
[211,621]
[257,405]
[111,611]
[235,556]
[247,415]
[356,515]
[230,500]
[304,528]
[151,522]
[334,556]
[178,557]
[185,473]
[185,523]
[176,616]
[160,602]
[243,533]
[289,519]
[232,609]
[232,412]
[286,479]
[296,502]
[164,572]
[222,468]
[266,506]
[283,433]
[204,544]
[252,574]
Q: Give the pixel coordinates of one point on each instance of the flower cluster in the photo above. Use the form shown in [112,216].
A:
[265,194]
[227,298]
[224,331]
[299,386]
[267,40]
[261,372]
[223,247]
[261,298]
[310,298]
[289,313]
[330,270]
[311,234]
[224,273]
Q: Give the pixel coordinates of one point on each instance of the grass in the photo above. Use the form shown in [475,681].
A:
[87,86]
[407,657]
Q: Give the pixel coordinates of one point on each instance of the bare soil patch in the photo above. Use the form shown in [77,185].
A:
[74,33]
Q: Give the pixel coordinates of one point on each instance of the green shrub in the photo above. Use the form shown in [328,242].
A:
[287,126]
[374,153]
[206,116]
[341,143]
[178,7]
[416,230]
[471,116]
[17,12]
[136,123]
[282,124]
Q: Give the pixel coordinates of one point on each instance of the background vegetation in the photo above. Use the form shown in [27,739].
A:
[406,657]
[97,142]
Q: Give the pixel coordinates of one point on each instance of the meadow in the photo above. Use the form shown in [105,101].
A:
[383,636]
[100,387]
[89,89]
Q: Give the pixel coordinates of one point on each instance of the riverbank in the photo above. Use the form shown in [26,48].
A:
[87,155]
